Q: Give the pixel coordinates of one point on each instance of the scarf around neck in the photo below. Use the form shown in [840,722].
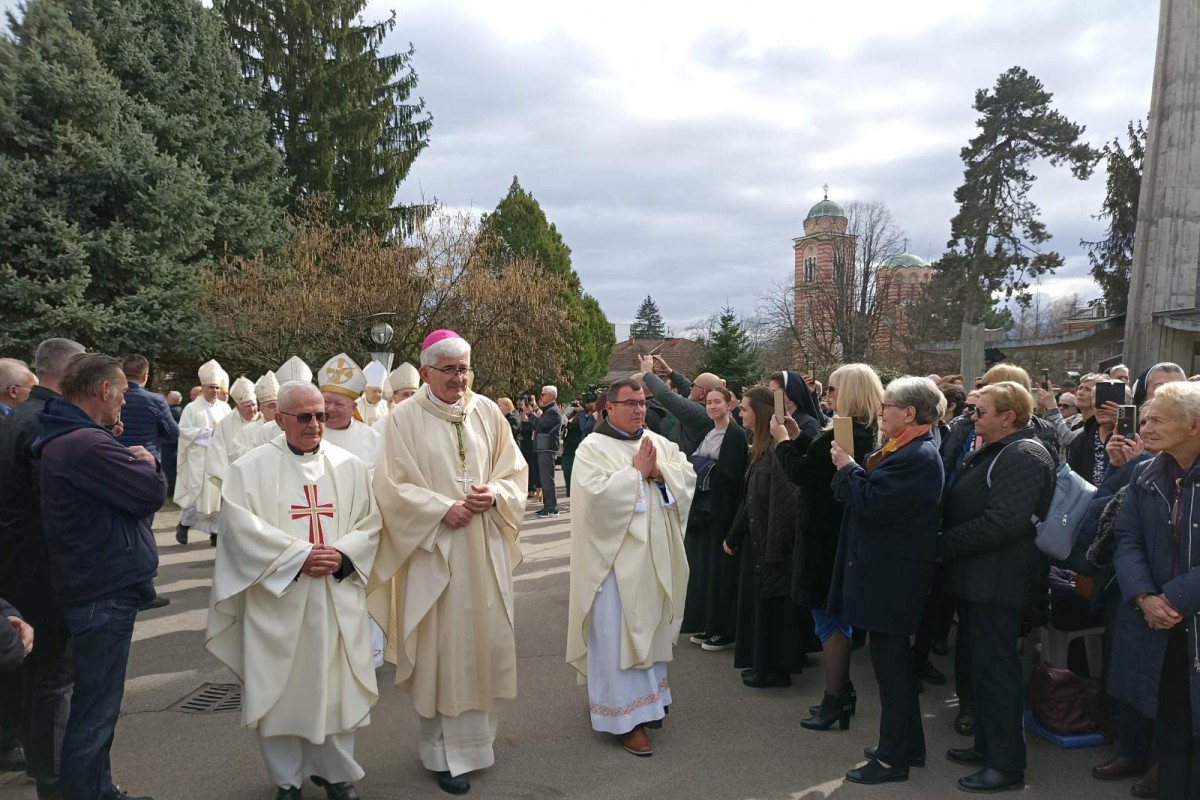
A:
[892,445]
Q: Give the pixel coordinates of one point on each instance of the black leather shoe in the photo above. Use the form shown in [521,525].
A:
[989,780]
[929,673]
[873,772]
[913,761]
[181,532]
[966,755]
[1118,769]
[453,784]
[767,680]
[212,540]
[49,790]
[833,710]
[12,759]
[157,602]
[288,793]
[853,702]
[964,722]
[335,791]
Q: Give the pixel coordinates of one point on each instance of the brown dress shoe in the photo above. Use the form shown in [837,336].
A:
[1147,785]
[1118,769]
[637,742]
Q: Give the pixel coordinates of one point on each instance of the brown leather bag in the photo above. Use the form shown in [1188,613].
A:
[1059,702]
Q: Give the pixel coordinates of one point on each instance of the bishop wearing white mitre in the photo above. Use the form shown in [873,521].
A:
[199,499]
[371,405]
[341,381]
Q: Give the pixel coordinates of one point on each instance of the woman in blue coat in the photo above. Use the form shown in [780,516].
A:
[1157,668]
[884,566]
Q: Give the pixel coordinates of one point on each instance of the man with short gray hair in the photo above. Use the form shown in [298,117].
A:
[547,436]
[16,384]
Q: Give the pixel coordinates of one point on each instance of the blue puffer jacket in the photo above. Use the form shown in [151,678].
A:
[97,502]
[1143,564]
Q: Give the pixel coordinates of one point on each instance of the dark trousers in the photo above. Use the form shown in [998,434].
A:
[1135,733]
[963,686]
[11,692]
[101,633]
[546,473]
[567,463]
[1178,756]
[901,735]
[999,697]
[935,624]
[49,677]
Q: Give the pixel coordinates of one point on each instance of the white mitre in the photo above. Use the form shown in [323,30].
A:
[403,377]
[223,379]
[341,375]
[210,373]
[242,390]
[266,389]
[294,369]
[375,374]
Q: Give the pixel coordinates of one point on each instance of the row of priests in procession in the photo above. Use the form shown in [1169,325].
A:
[328,529]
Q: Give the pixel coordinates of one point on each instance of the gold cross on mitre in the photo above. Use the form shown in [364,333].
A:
[341,372]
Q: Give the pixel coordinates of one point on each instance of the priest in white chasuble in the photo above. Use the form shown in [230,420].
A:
[342,383]
[217,459]
[371,405]
[299,535]
[402,384]
[197,497]
[631,491]
[263,429]
[451,484]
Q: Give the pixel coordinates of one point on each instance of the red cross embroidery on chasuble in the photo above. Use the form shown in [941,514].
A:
[313,510]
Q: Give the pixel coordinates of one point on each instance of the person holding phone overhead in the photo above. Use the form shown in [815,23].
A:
[799,401]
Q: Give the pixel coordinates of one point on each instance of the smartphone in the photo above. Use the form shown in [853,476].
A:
[1046,379]
[1109,392]
[780,408]
[843,434]
[1127,421]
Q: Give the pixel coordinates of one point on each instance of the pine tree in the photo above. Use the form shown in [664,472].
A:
[728,353]
[1112,257]
[996,235]
[99,230]
[174,57]
[648,322]
[340,109]
[519,229]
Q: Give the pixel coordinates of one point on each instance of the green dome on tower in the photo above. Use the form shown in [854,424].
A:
[825,208]
[906,260]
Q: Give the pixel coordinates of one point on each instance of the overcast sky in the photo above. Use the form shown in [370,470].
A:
[678,146]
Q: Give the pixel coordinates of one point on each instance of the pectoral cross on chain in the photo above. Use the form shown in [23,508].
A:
[466,481]
[313,511]
[465,478]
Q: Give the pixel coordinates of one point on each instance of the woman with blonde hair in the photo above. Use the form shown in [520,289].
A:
[855,391]
[769,643]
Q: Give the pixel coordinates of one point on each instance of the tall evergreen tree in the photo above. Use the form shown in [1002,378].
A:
[996,236]
[519,229]
[99,230]
[173,56]
[340,109]
[648,322]
[1112,256]
[728,353]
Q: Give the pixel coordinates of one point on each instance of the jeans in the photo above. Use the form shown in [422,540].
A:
[546,472]
[101,633]
[49,675]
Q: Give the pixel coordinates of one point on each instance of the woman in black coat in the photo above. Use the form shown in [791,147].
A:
[855,392]
[996,571]
[770,637]
[884,567]
[712,592]
[527,417]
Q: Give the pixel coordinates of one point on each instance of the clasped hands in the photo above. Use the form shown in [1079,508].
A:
[459,515]
[645,461]
[1159,613]
[322,560]
[24,631]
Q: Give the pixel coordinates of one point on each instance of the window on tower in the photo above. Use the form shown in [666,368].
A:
[810,269]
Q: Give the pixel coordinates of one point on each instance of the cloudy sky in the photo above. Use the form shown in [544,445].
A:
[679,146]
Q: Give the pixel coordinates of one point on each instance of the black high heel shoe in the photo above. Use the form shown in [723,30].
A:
[850,699]
[832,709]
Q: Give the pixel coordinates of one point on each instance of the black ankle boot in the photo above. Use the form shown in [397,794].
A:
[832,709]
[849,699]
[181,533]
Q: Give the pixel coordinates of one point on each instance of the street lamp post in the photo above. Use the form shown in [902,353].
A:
[381,337]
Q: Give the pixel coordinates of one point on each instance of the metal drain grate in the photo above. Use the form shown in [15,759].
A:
[212,698]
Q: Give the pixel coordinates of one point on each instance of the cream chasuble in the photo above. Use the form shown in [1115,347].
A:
[197,425]
[221,449]
[619,527]
[254,434]
[299,644]
[371,412]
[358,439]
[445,596]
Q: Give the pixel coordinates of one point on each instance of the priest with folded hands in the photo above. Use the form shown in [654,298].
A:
[298,538]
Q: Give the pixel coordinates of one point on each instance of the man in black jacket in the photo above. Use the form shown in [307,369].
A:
[39,694]
[546,440]
[146,419]
[97,499]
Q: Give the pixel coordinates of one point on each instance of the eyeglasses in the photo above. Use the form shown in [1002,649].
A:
[451,372]
[892,405]
[630,404]
[1065,406]
[979,412]
[305,418]
[969,409]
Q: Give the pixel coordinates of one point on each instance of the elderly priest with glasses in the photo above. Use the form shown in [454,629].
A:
[299,533]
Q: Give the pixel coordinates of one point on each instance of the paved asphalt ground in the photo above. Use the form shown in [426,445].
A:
[721,740]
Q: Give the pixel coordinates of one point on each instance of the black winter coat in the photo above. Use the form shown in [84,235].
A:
[728,486]
[807,464]
[987,539]
[884,566]
[768,517]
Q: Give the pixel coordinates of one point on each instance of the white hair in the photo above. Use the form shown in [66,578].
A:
[452,348]
[551,390]
[289,388]
[1182,397]
[13,372]
[174,396]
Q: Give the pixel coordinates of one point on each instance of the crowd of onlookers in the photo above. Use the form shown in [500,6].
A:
[925,517]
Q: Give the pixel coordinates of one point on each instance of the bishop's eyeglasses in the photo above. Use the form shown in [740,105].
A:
[453,371]
[305,417]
